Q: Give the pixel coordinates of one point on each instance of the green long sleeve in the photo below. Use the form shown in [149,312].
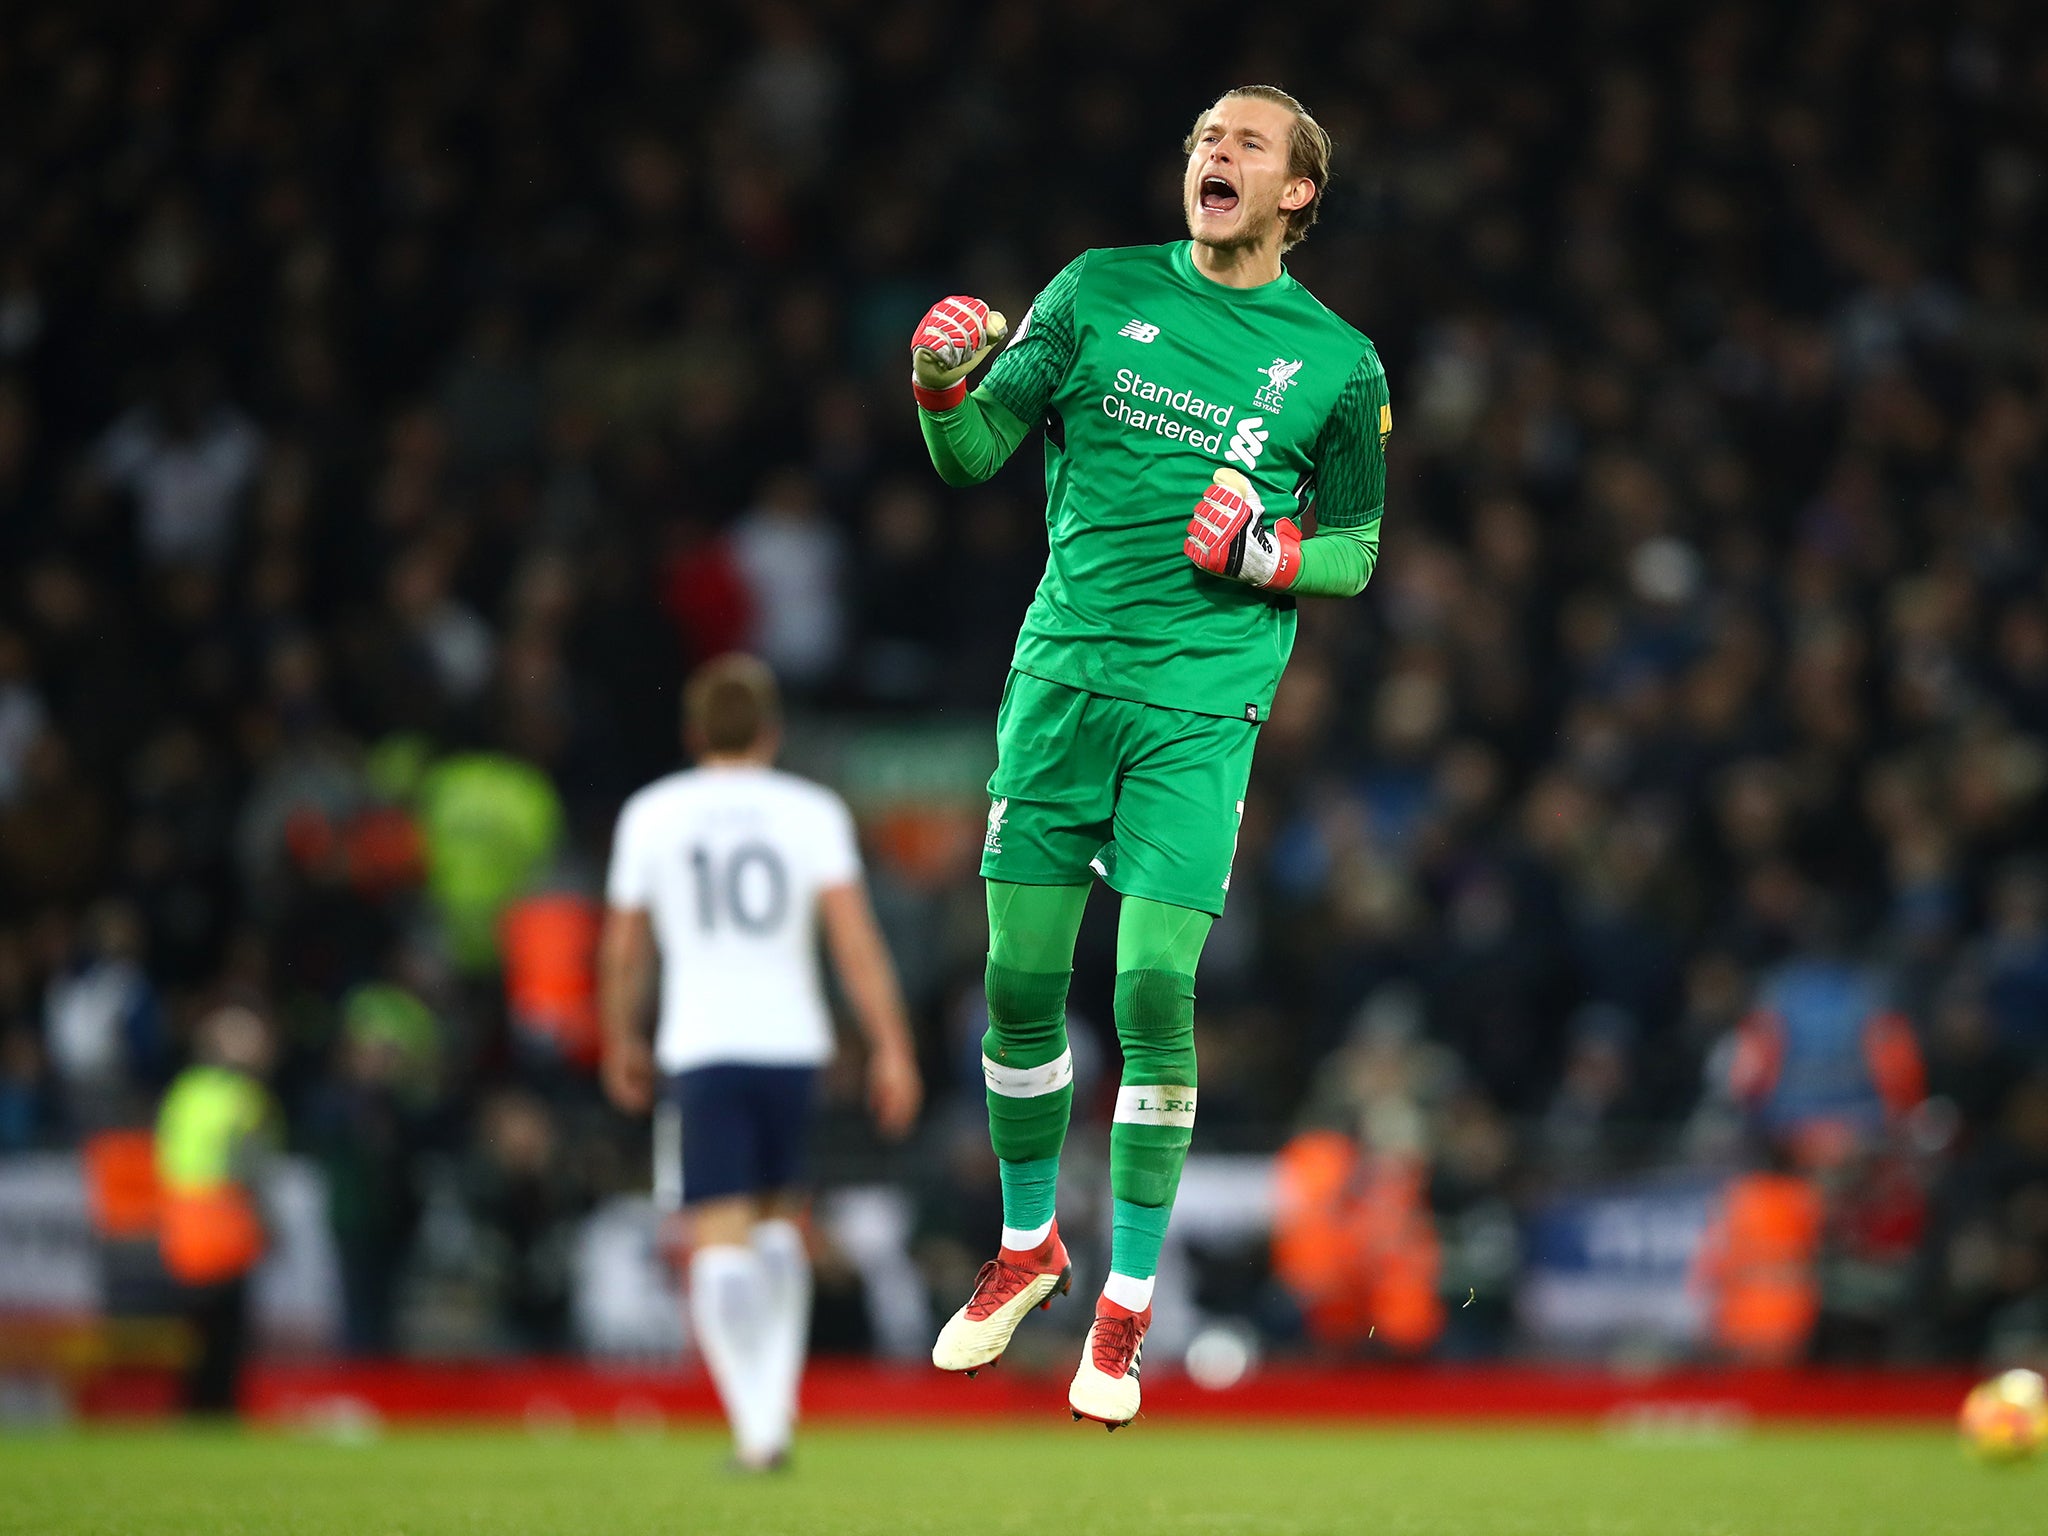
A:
[1350,488]
[969,443]
[1337,562]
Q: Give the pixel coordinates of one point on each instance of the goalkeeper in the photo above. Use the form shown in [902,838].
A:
[1192,374]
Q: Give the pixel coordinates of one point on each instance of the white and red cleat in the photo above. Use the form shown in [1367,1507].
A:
[1008,1287]
[1105,1387]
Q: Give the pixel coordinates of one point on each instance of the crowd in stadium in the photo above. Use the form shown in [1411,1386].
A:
[395,401]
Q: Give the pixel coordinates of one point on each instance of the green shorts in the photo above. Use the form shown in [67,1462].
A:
[1147,798]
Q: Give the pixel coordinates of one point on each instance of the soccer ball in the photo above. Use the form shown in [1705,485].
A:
[2006,1418]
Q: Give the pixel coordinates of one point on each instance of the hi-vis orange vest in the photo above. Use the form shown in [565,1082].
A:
[1757,1265]
[121,1184]
[1355,1243]
[550,949]
[211,1231]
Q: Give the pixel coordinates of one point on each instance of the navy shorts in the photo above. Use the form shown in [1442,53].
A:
[745,1130]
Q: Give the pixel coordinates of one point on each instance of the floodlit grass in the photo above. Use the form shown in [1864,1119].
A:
[1059,1480]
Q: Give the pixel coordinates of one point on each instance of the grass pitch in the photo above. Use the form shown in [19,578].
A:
[1155,1479]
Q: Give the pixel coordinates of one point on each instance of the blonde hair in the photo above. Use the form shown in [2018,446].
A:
[1309,148]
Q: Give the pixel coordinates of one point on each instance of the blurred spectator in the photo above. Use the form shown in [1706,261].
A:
[2016,959]
[1354,1244]
[1876,1218]
[1985,1263]
[550,946]
[1823,1062]
[108,1041]
[1969,1067]
[524,1207]
[705,594]
[367,1124]
[903,568]
[26,1123]
[1583,1126]
[215,1137]
[55,833]
[1759,1266]
[187,457]
[491,824]
[1471,1196]
[21,714]
[793,561]
[1354,1237]
[437,640]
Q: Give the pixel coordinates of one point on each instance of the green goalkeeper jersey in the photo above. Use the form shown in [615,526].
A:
[1148,376]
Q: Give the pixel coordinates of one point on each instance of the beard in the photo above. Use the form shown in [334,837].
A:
[1252,230]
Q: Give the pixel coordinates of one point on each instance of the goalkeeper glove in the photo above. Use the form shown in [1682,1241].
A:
[952,338]
[1228,536]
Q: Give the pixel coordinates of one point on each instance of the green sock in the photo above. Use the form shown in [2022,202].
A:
[1026,1064]
[1155,1111]
[1024,1056]
[1135,1239]
[1157,947]
[1030,1189]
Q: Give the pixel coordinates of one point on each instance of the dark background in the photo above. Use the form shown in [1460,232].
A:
[386,381]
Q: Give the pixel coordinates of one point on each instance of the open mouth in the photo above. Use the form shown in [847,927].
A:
[1217,195]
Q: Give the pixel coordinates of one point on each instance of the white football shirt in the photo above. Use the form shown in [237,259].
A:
[728,862]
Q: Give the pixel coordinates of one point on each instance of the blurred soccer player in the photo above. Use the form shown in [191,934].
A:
[729,870]
[1147,660]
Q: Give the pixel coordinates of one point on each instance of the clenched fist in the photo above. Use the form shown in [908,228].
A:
[1228,536]
[950,341]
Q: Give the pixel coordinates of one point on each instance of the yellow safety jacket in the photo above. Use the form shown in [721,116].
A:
[212,1121]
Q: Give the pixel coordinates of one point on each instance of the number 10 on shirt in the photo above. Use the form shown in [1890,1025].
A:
[747,890]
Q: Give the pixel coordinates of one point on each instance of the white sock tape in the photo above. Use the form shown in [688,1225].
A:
[1128,1291]
[1156,1104]
[1028,1082]
[1022,1240]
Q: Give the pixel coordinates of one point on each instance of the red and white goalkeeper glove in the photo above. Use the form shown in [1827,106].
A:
[1229,536]
[952,338]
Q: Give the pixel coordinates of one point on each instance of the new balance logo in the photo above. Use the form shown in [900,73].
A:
[1138,330]
[1249,442]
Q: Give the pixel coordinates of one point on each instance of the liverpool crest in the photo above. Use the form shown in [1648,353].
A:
[1272,394]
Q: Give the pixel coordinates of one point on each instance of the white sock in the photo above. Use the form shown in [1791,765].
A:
[1129,1291]
[1023,1239]
[726,1308]
[786,1271]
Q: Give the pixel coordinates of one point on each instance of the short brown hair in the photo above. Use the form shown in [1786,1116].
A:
[1309,149]
[730,704]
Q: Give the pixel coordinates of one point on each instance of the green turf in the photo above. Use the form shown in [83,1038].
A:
[1062,1480]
